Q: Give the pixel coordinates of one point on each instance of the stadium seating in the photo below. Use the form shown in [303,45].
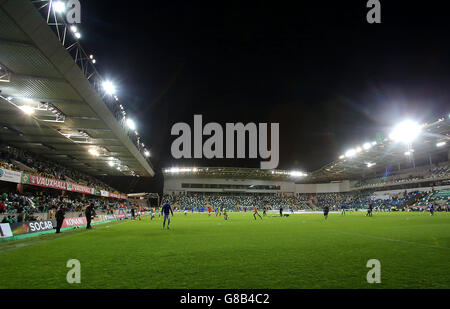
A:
[350,200]
[17,159]
[440,171]
[23,206]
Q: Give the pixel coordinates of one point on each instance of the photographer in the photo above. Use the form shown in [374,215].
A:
[60,213]
[89,212]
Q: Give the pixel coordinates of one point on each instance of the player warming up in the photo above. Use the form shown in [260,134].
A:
[166,210]
[326,210]
[369,210]
[256,213]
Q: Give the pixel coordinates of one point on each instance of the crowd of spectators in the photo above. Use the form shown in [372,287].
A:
[22,207]
[420,174]
[335,201]
[192,200]
[45,168]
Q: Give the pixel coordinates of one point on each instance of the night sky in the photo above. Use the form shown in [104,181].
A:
[320,70]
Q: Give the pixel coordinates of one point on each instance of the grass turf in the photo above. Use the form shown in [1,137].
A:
[301,251]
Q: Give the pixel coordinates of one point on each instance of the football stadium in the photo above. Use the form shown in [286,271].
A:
[374,217]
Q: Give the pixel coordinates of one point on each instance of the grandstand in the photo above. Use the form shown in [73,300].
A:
[61,127]
[387,172]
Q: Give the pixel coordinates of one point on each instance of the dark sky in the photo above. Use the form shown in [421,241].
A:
[320,70]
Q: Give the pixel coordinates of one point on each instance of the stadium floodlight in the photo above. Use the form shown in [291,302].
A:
[109,87]
[405,132]
[94,152]
[342,157]
[408,153]
[350,153]
[74,29]
[367,146]
[374,143]
[131,124]
[441,144]
[59,6]
[147,153]
[111,163]
[296,174]
[78,35]
[370,164]
[27,109]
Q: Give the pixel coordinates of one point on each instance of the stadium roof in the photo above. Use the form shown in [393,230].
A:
[387,152]
[365,160]
[49,103]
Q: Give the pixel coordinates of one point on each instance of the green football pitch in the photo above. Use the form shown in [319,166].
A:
[299,251]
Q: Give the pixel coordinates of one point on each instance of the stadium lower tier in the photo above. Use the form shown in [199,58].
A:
[335,201]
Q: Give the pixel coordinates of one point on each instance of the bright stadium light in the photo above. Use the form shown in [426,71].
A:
[358,149]
[350,153]
[342,157]
[367,146]
[27,109]
[441,144]
[370,164]
[408,153]
[77,35]
[131,124]
[405,132]
[111,163]
[109,87]
[74,29]
[296,174]
[94,152]
[59,6]
[147,153]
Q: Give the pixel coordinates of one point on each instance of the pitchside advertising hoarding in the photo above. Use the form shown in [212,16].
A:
[14,229]
[5,230]
[31,227]
[73,222]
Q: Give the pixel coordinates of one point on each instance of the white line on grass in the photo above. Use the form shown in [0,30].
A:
[389,239]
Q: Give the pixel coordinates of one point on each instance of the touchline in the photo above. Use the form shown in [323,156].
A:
[213,147]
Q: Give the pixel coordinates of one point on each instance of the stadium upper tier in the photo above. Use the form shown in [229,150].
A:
[17,159]
[386,156]
[51,103]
